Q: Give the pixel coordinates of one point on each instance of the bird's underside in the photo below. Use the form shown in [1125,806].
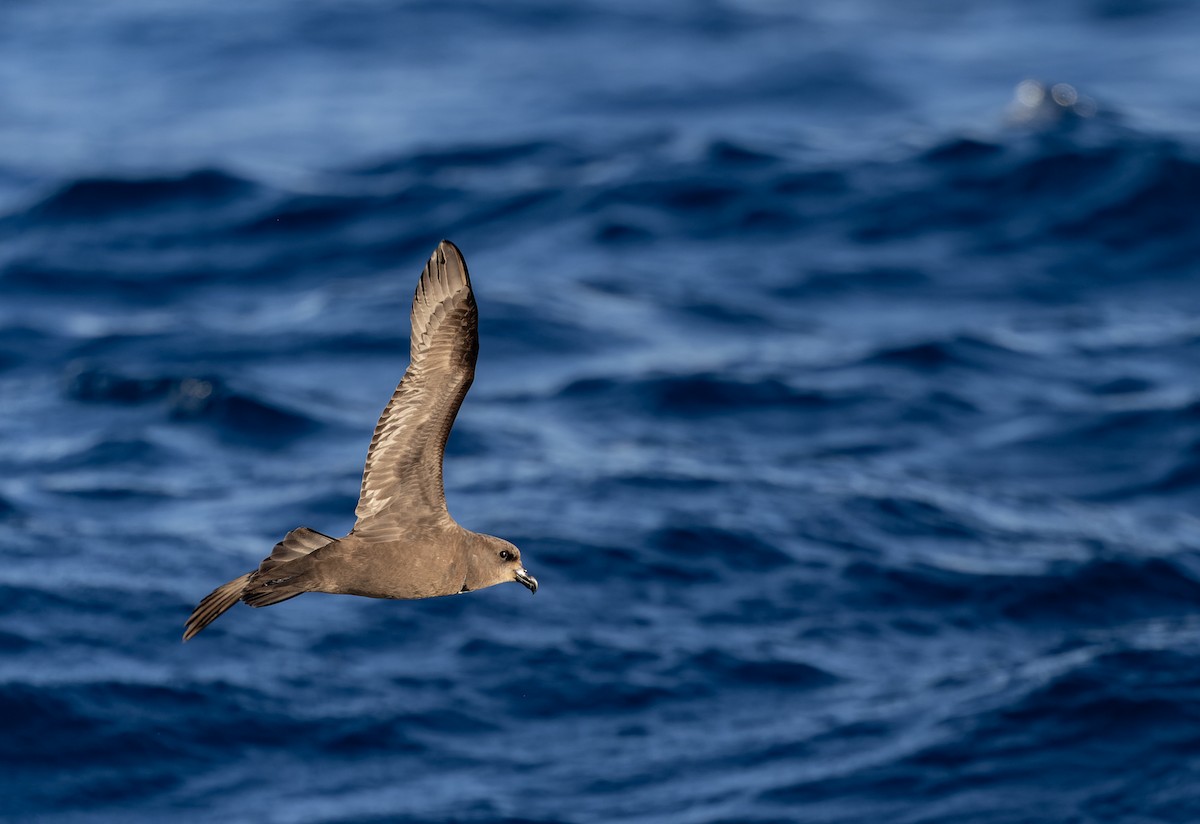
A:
[404,543]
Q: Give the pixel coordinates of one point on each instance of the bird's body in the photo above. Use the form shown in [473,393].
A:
[404,544]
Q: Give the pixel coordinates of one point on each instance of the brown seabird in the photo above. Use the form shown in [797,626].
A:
[404,543]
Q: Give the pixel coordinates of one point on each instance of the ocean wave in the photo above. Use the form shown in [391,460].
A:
[928,355]
[55,725]
[1118,453]
[1091,715]
[88,383]
[587,676]
[1100,590]
[714,670]
[1136,696]
[100,198]
[1107,194]
[207,399]
[701,393]
[864,280]
[689,204]
[483,157]
[694,546]
[1123,194]
[113,452]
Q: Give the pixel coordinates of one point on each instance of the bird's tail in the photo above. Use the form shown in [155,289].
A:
[215,603]
[269,584]
[262,592]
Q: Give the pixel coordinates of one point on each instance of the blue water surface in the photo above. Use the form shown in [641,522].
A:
[839,380]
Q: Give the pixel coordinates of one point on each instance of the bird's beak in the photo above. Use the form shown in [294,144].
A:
[525,578]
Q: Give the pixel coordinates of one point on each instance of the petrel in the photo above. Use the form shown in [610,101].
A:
[404,543]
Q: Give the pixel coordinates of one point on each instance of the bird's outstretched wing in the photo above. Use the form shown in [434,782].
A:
[402,480]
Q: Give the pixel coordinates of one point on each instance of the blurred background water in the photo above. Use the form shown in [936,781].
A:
[841,392]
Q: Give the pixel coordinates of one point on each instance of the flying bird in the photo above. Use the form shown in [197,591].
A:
[404,543]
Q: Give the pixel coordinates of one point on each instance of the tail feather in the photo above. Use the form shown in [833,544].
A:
[215,603]
[260,588]
[266,593]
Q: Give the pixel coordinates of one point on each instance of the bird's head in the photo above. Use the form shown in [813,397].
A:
[497,561]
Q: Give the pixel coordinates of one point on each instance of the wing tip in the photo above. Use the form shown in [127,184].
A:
[447,268]
[447,247]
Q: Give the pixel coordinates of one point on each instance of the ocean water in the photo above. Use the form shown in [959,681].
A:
[842,393]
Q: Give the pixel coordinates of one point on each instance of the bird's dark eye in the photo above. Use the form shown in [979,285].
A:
[505,555]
